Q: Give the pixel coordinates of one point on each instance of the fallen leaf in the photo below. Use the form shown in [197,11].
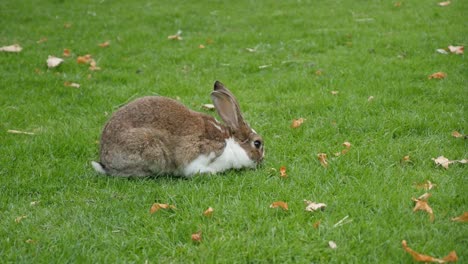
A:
[34,203]
[176,36]
[316,224]
[332,245]
[442,51]
[264,66]
[208,212]
[451,257]
[457,134]
[30,241]
[104,44]
[282,171]
[201,46]
[334,92]
[371,98]
[461,218]
[19,132]
[71,84]
[406,159]
[437,75]
[197,237]
[66,52]
[421,204]
[11,48]
[456,49]
[20,218]
[318,72]
[297,122]
[313,206]
[67,25]
[280,204]
[157,206]
[251,50]
[397,4]
[209,107]
[42,40]
[443,161]
[445,3]
[347,146]
[426,186]
[84,59]
[322,157]
[53,62]
[93,65]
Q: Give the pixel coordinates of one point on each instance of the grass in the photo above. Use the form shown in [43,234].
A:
[362,48]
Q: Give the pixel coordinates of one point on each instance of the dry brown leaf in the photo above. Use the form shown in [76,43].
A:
[457,134]
[451,257]
[53,62]
[297,122]
[42,40]
[442,161]
[93,65]
[406,159]
[84,59]
[282,171]
[157,206]
[11,48]
[209,107]
[66,52]
[20,218]
[176,36]
[397,4]
[208,212]
[316,224]
[71,84]
[318,72]
[421,204]
[437,75]
[456,49]
[461,218]
[12,131]
[30,241]
[280,204]
[104,44]
[322,157]
[197,237]
[334,92]
[426,186]
[313,206]
[445,3]
[201,46]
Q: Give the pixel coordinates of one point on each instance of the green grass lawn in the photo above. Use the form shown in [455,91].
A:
[361,49]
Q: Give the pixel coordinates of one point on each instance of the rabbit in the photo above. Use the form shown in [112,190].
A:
[156,135]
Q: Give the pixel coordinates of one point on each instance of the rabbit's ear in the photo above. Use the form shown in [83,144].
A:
[227,107]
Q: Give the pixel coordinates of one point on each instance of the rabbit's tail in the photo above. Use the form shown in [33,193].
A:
[98,167]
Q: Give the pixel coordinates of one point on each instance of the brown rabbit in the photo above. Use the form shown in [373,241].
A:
[157,135]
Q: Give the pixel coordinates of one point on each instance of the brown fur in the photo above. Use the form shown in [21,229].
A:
[183,137]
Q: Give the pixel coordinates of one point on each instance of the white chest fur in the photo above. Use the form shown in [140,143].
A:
[233,157]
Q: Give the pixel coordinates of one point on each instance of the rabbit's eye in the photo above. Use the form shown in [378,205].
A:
[257,143]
